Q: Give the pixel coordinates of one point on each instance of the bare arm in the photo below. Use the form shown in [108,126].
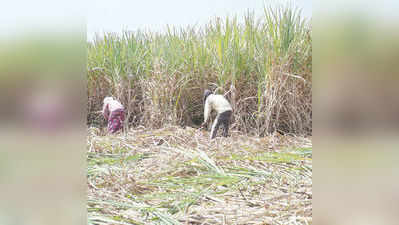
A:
[106,111]
[206,111]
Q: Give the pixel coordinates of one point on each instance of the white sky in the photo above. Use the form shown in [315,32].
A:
[119,15]
[19,17]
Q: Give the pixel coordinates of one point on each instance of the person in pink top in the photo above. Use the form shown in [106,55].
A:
[114,112]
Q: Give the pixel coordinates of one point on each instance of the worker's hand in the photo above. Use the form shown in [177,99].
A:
[203,124]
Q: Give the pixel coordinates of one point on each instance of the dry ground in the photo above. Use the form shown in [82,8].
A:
[176,176]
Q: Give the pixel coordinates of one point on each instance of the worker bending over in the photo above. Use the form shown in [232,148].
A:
[223,108]
[114,113]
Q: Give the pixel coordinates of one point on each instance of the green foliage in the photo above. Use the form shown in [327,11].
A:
[264,66]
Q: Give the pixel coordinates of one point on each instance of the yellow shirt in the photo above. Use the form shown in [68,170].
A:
[215,102]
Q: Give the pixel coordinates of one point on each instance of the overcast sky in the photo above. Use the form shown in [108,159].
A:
[99,16]
[118,15]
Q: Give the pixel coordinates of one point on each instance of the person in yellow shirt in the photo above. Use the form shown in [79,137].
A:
[223,108]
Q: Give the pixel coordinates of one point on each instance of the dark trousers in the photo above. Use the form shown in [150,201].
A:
[221,119]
